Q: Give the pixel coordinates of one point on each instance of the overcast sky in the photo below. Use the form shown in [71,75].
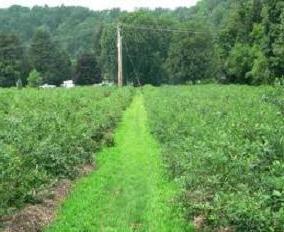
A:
[102,4]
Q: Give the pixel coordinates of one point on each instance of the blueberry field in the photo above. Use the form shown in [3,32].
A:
[225,147]
[49,134]
[170,158]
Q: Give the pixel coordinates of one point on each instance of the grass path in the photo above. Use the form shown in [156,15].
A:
[128,191]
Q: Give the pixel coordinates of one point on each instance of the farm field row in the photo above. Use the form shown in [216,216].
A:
[224,145]
[46,135]
[129,190]
[207,155]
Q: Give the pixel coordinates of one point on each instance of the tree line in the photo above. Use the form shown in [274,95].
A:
[43,62]
[226,41]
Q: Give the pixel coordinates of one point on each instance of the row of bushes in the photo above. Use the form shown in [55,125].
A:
[225,146]
[46,135]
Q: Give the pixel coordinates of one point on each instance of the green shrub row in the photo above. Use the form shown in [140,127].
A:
[225,146]
[46,135]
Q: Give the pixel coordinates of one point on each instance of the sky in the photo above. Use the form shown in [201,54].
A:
[102,4]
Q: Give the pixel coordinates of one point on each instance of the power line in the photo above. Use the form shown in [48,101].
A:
[178,30]
[160,29]
[137,27]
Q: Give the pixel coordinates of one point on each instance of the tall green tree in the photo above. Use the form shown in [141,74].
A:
[11,58]
[48,59]
[274,25]
[192,56]
[235,26]
[87,70]
[34,79]
[145,47]
[239,63]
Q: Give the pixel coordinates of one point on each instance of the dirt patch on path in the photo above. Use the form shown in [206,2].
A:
[33,218]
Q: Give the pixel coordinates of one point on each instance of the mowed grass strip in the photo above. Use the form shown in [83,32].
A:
[128,192]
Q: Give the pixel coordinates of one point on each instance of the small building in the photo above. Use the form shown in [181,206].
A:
[105,83]
[68,84]
[47,86]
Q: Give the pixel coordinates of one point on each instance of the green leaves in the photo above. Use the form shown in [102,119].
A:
[276,193]
[87,70]
[49,59]
[11,58]
[191,55]
[34,79]
[48,134]
[225,145]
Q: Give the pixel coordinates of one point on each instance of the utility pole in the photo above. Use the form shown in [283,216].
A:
[119,57]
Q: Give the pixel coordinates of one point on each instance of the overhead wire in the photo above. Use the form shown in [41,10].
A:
[137,27]
[162,28]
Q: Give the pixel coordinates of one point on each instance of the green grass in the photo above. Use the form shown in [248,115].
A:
[129,191]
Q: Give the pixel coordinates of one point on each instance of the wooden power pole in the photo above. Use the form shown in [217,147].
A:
[119,57]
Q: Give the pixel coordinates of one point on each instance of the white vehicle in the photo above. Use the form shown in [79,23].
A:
[68,84]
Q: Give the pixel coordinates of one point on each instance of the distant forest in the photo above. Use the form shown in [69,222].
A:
[225,41]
